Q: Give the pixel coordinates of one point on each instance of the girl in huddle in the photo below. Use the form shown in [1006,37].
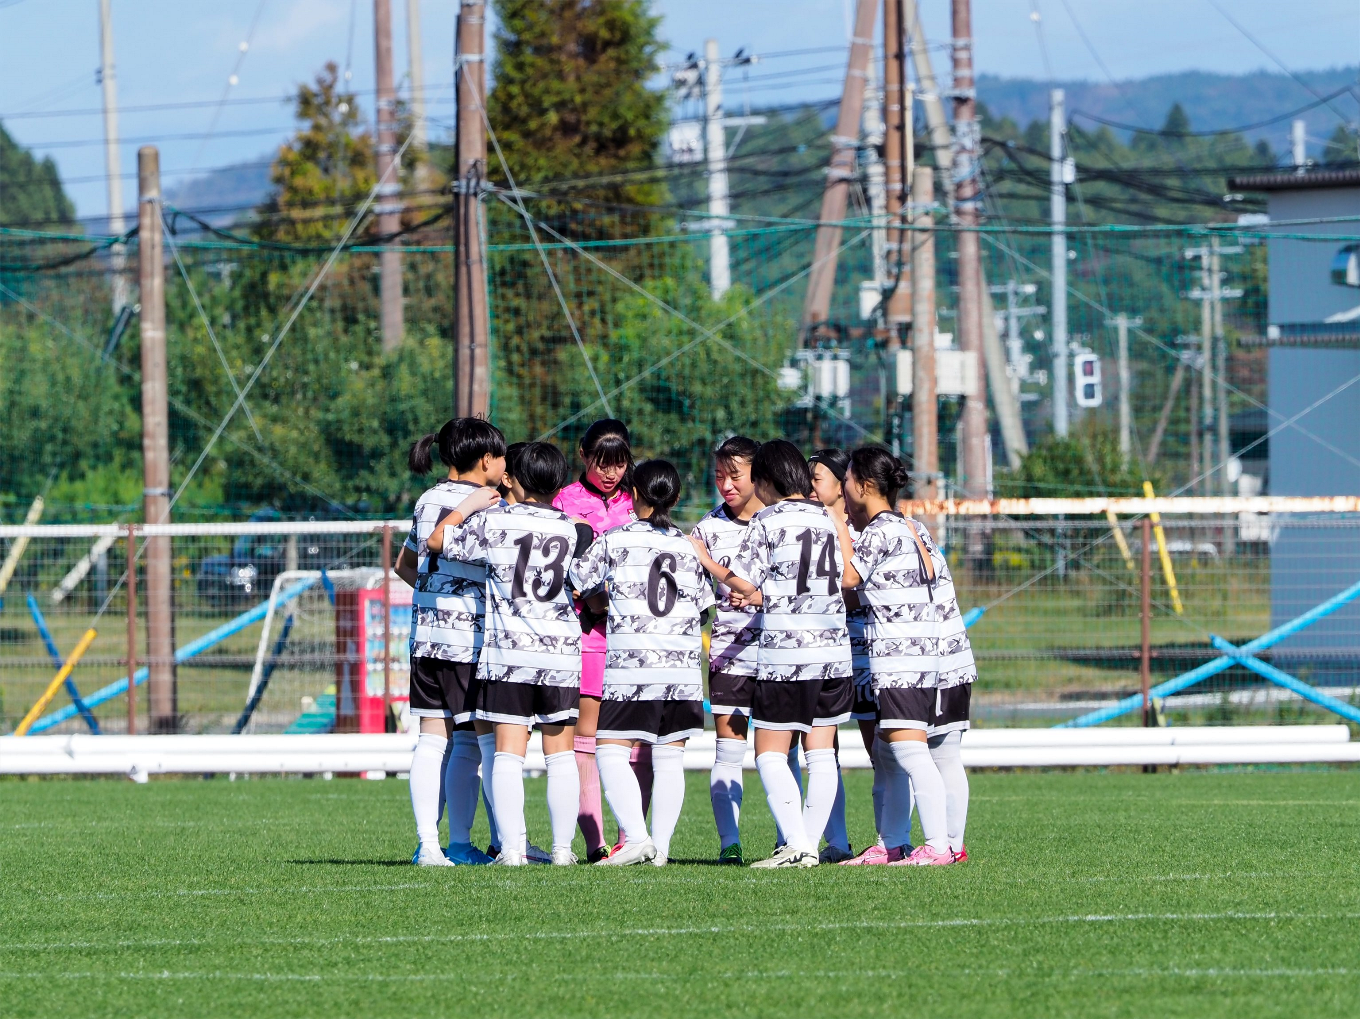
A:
[511,491]
[601,498]
[919,658]
[656,592]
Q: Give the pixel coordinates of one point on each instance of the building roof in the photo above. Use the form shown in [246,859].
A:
[1293,181]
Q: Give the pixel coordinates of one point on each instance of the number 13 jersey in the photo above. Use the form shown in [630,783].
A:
[791,553]
[658,590]
[532,634]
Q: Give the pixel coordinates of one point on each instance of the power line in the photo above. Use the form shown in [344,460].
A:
[1243,129]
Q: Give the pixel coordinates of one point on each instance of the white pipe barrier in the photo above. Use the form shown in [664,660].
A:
[379,755]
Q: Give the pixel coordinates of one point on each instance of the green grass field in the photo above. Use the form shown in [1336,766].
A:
[1197,894]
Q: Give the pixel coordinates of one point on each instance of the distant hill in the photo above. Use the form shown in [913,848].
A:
[1213,101]
[227,194]
[31,194]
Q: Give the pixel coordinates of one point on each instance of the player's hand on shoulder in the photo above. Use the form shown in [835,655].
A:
[484,498]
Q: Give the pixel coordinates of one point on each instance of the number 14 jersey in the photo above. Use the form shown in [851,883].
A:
[792,554]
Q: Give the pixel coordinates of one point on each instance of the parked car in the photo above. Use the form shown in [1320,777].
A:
[247,572]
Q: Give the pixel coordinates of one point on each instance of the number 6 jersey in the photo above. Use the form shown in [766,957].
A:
[532,634]
[792,554]
[657,592]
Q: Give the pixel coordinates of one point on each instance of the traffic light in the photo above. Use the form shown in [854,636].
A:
[1087,369]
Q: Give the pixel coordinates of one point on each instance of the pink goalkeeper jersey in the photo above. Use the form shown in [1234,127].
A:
[584,502]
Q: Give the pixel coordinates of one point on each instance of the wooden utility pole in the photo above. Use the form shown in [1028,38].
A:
[472,390]
[967,202]
[897,144]
[388,207]
[156,492]
[844,142]
[924,409]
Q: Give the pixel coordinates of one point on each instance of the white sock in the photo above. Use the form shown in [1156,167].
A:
[427,766]
[880,774]
[668,794]
[507,798]
[461,785]
[821,792]
[795,766]
[725,789]
[781,792]
[897,799]
[949,760]
[913,757]
[621,789]
[836,833]
[486,746]
[564,794]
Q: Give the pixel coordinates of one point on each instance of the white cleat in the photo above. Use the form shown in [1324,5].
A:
[431,856]
[564,858]
[660,859]
[787,856]
[630,853]
[509,859]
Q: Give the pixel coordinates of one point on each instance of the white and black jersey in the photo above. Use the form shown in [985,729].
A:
[658,591]
[915,630]
[856,622]
[532,633]
[450,596]
[734,643]
[792,553]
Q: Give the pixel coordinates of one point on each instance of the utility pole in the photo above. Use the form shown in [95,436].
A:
[967,202]
[875,179]
[715,152]
[925,427]
[160,626]
[1057,212]
[113,164]
[1221,360]
[1213,397]
[420,134]
[1121,322]
[897,166]
[472,390]
[1298,138]
[388,208]
[844,142]
[936,124]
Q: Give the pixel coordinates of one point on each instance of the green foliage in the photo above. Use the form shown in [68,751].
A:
[1086,463]
[1343,147]
[31,194]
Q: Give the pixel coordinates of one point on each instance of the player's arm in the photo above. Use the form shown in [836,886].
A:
[850,577]
[407,567]
[479,500]
[723,574]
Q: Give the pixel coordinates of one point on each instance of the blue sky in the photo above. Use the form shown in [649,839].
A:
[182,52]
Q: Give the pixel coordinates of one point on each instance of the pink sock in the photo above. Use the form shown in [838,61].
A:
[589,813]
[640,760]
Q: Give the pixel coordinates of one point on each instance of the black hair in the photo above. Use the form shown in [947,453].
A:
[606,443]
[736,447]
[833,459]
[512,453]
[657,483]
[462,442]
[779,464]
[541,469]
[875,465]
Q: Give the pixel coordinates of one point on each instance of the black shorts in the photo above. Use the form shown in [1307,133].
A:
[729,694]
[934,711]
[865,708]
[650,721]
[801,704]
[528,704]
[441,689]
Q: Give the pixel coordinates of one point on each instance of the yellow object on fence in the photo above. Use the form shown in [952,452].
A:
[1119,538]
[1163,554]
[16,551]
[57,680]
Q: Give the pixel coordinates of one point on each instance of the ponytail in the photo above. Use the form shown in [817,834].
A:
[657,483]
[419,459]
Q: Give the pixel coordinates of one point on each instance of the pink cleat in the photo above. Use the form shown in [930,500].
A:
[925,856]
[962,855]
[875,854]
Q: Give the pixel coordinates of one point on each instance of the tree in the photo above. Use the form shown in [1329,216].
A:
[571,98]
[30,190]
[1343,148]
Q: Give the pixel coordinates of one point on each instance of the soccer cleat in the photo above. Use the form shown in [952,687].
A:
[617,846]
[564,858]
[466,853]
[834,854]
[535,855]
[877,854]
[598,854]
[660,859]
[630,853]
[430,856]
[731,854]
[509,859]
[787,856]
[925,856]
[962,855]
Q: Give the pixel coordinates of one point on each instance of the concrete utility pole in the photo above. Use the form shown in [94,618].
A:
[1057,212]
[875,176]
[715,153]
[388,207]
[472,390]
[420,134]
[1221,360]
[1298,138]
[156,491]
[1121,322]
[113,164]
[924,407]
[929,91]
[897,166]
[967,202]
[844,142]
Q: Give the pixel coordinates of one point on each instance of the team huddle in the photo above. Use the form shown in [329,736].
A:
[579,610]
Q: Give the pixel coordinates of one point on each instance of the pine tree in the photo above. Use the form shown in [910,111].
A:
[30,189]
[1342,148]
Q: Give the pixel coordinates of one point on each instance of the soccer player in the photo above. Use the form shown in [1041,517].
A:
[509,489]
[447,610]
[791,556]
[653,677]
[734,640]
[600,497]
[530,668]
[918,651]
